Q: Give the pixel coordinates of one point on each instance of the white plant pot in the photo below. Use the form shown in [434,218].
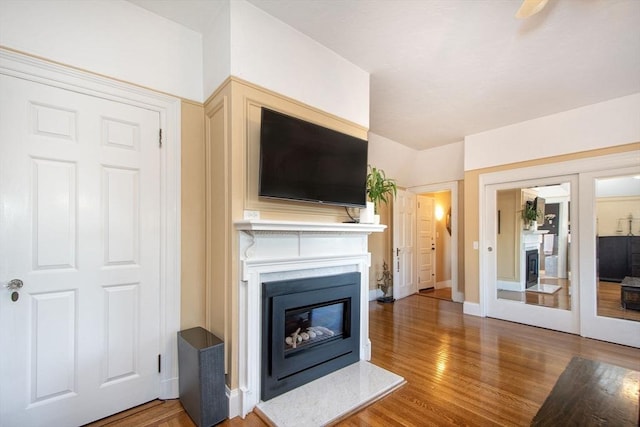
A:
[376,219]
[367,214]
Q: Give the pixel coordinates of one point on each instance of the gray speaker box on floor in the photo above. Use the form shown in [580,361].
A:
[201,381]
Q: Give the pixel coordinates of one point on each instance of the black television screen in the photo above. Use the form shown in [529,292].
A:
[303,161]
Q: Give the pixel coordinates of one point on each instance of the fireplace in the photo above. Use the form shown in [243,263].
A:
[532,269]
[310,327]
[278,251]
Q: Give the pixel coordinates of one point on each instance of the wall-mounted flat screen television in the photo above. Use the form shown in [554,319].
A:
[303,161]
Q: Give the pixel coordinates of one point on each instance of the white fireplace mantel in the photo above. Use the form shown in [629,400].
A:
[299,226]
[282,250]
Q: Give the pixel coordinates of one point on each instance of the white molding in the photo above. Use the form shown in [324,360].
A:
[374,294]
[298,226]
[169,109]
[472,309]
[504,285]
[444,284]
[235,404]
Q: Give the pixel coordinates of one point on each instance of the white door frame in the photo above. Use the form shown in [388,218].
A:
[37,70]
[452,187]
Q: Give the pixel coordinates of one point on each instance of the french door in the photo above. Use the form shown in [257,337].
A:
[590,210]
[609,202]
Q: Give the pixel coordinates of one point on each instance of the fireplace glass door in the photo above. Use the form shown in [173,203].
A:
[309,326]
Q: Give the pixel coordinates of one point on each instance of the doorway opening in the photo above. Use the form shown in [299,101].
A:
[437,241]
[434,245]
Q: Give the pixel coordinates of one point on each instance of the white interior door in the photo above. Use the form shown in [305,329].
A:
[426,243]
[404,232]
[79,226]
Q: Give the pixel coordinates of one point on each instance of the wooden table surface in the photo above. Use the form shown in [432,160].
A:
[590,393]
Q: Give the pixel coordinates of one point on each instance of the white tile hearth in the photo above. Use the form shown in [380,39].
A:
[330,398]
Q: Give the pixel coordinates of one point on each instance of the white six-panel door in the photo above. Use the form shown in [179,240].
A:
[79,226]
[426,243]
[404,232]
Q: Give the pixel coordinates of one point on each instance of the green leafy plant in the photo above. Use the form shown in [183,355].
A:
[529,213]
[379,187]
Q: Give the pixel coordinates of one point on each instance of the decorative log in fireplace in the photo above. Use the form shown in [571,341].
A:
[310,327]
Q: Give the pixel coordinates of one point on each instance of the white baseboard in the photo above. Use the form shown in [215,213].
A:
[234,402]
[509,286]
[169,389]
[457,297]
[472,308]
[443,284]
[374,294]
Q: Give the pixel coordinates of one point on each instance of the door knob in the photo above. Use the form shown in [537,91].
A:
[14,284]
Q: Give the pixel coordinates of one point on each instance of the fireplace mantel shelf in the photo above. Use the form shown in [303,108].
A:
[299,226]
[536,232]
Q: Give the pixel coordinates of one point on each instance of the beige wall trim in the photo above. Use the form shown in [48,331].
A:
[193,257]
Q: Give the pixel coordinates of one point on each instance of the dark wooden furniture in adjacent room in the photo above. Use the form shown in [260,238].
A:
[630,293]
[618,257]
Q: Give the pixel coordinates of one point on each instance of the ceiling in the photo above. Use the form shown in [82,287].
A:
[443,69]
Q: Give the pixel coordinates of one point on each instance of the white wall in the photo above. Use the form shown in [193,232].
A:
[412,168]
[438,164]
[110,37]
[216,51]
[118,39]
[269,53]
[605,124]
[395,159]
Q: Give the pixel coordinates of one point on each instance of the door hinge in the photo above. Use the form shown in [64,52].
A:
[160,138]
[159,363]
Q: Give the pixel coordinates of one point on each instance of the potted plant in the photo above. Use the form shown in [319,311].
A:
[379,189]
[530,216]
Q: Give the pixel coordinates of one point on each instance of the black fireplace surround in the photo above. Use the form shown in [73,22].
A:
[310,328]
[532,269]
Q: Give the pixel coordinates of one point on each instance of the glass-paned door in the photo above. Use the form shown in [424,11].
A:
[610,258]
[530,258]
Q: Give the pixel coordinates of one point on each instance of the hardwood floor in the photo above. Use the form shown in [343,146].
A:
[460,370]
[442,293]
